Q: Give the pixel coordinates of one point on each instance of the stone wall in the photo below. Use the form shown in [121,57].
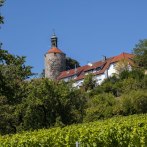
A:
[54,64]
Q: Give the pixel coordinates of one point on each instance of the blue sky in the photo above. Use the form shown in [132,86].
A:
[86,29]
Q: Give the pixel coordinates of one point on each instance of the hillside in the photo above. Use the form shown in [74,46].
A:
[117,131]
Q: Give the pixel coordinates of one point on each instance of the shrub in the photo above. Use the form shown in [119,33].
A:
[99,107]
[134,102]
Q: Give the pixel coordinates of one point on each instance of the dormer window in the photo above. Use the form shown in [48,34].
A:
[98,68]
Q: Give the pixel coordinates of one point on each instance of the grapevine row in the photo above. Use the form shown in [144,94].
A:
[120,131]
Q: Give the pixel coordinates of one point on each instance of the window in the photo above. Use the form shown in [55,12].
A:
[98,68]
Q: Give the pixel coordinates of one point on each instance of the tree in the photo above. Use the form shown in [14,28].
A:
[89,82]
[134,101]
[13,73]
[1,17]
[121,66]
[50,103]
[112,85]
[140,52]
[134,73]
[71,63]
[100,106]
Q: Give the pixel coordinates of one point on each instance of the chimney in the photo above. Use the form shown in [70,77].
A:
[75,68]
[104,58]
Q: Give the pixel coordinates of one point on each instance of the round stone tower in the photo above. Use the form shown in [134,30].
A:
[55,60]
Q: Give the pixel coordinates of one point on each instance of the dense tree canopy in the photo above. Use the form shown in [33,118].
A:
[50,103]
[140,52]
[12,72]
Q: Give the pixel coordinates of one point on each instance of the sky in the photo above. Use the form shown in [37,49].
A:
[87,30]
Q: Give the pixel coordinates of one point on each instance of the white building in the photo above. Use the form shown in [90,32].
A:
[100,69]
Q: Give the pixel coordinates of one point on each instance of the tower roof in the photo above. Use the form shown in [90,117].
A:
[54,45]
[54,50]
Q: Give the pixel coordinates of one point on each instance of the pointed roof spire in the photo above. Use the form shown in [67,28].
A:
[54,45]
[54,40]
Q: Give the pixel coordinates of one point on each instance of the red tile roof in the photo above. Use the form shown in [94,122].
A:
[104,67]
[94,65]
[80,71]
[54,50]
[71,72]
[125,56]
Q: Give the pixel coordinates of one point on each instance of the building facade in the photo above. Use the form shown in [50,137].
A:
[101,70]
[55,65]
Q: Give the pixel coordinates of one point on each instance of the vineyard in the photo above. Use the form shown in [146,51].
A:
[115,132]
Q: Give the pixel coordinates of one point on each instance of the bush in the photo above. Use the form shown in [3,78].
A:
[133,102]
[99,107]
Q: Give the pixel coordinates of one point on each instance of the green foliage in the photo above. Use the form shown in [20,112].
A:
[118,132]
[144,82]
[99,107]
[121,66]
[134,102]
[50,103]
[71,63]
[112,85]
[134,73]
[1,17]
[33,104]
[117,95]
[13,72]
[140,52]
[89,82]
[127,81]
[135,81]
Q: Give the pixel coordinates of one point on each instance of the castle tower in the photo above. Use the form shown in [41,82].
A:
[55,60]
